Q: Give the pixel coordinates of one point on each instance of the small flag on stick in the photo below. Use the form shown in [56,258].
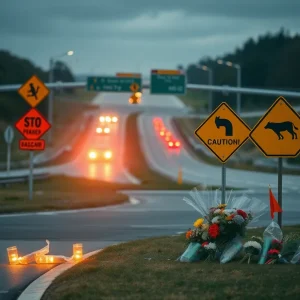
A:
[274,206]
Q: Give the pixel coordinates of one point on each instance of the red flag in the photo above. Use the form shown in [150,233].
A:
[274,206]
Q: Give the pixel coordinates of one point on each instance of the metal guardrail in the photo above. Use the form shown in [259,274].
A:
[215,88]
[24,178]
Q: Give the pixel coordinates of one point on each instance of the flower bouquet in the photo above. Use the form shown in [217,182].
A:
[225,223]
[252,249]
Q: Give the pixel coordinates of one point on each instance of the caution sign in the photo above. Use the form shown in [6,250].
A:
[33,125]
[134,87]
[277,133]
[32,145]
[223,132]
[33,91]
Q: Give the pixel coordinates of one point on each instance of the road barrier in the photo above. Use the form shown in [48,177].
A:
[214,88]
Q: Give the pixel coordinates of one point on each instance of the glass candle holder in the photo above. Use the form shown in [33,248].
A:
[77,251]
[13,255]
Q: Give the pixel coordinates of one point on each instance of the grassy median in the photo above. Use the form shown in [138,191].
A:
[60,193]
[137,165]
[146,269]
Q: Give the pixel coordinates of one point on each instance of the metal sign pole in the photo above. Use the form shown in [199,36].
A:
[280,189]
[8,158]
[30,175]
[223,183]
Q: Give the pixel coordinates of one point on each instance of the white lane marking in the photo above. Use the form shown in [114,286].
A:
[38,287]
[132,201]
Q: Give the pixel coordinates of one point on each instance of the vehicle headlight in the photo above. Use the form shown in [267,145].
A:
[92,155]
[108,154]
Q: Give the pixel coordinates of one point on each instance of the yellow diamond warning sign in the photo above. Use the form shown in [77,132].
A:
[223,132]
[33,91]
[277,133]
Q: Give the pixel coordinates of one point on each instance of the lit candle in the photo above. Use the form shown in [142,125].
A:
[13,256]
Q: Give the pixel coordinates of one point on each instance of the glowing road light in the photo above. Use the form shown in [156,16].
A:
[162,133]
[114,119]
[102,119]
[171,144]
[108,119]
[77,251]
[138,94]
[177,144]
[70,53]
[92,155]
[106,130]
[13,255]
[108,155]
[99,130]
[45,259]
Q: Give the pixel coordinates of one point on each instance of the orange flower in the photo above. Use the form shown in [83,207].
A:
[229,218]
[188,234]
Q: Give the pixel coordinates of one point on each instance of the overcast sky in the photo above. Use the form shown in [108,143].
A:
[137,35]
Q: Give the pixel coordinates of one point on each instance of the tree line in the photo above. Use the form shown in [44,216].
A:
[272,62]
[16,70]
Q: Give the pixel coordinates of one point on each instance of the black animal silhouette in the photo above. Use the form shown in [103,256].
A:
[283,126]
[33,91]
[225,123]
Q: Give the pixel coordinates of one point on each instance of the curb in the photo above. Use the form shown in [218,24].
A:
[37,288]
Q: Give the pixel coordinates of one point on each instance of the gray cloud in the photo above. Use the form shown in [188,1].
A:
[56,17]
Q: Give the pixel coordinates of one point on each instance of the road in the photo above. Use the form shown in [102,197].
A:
[158,213]
[195,171]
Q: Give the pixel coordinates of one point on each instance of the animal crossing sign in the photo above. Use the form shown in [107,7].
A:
[277,133]
[223,132]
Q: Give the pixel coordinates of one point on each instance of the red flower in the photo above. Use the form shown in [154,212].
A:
[273,252]
[204,244]
[242,213]
[214,230]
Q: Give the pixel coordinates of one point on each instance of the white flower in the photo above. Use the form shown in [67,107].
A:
[210,246]
[216,220]
[253,244]
[217,211]
[229,212]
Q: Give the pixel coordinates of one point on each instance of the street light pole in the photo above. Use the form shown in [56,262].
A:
[210,82]
[239,81]
[238,95]
[50,99]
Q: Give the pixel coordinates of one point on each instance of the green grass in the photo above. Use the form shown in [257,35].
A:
[59,193]
[196,99]
[124,272]
[67,112]
[187,126]
[137,165]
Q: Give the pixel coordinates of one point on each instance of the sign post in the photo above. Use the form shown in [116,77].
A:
[223,133]
[275,134]
[9,137]
[122,83]
[168,82]
[33,124]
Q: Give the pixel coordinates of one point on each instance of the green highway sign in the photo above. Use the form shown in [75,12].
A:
[167,82]
[119,83]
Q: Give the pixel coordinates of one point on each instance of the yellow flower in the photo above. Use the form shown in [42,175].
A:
[222,206]
[199,223]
